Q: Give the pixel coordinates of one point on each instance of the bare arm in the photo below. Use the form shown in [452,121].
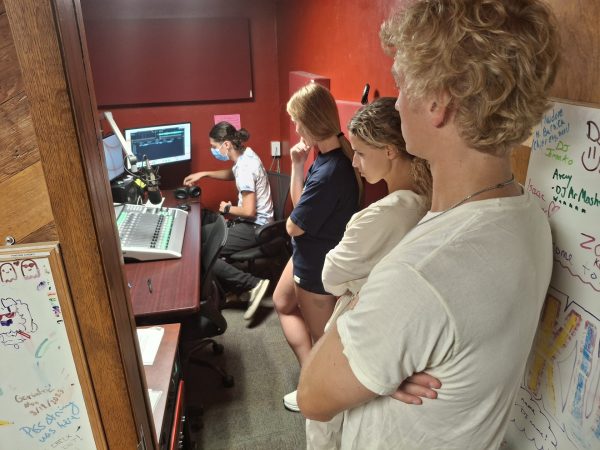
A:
[327,384]
[298,154]
[248,208]
[293,229]
[225,175]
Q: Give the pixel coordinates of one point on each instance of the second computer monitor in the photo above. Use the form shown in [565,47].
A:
[161,144]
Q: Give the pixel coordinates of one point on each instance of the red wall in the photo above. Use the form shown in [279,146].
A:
[259,116]
[337,39]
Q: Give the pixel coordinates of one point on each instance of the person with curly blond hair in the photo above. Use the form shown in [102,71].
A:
[460,296]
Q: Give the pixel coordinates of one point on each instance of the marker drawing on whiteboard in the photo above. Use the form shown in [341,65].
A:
[41,348]
[22,333]
[577,276]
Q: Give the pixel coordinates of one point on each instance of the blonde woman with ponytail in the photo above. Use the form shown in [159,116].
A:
[379,154]
[323,204]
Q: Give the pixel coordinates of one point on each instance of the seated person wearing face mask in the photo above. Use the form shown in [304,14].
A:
[254,208]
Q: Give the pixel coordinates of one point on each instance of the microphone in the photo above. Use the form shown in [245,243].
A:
[365,95]
[154,195]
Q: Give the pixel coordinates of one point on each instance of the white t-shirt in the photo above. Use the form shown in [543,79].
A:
[251,176]
[370,234]
[458,297]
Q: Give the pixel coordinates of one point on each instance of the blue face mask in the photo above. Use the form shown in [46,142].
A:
[217,154]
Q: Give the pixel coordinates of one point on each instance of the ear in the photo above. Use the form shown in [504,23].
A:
[391,152]
[439,109]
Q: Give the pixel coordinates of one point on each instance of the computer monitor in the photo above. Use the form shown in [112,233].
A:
[161,144]
[113,155]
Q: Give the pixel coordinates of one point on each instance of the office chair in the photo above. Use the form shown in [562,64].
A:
[209,322]
[273,241]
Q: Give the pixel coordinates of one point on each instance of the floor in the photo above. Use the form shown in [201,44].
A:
[250,415]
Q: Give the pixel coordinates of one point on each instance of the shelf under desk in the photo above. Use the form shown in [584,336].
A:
[161,376]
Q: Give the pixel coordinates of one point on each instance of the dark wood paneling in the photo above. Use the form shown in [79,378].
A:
[73,196]
[520,162]
[578,75]
[10,74]
[46,233]
[18,144]
[84,109]
[5,36]
[26,208]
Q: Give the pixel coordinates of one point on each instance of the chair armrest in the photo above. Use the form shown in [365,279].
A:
[270,231]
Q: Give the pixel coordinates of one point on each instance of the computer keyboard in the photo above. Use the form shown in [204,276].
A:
[150,233]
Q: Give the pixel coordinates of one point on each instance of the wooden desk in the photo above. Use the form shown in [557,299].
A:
[175,282]
[158,378]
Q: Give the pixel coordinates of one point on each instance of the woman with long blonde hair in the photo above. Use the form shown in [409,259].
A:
[323,204]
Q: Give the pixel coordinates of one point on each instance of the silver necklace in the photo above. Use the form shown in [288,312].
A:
[470,196]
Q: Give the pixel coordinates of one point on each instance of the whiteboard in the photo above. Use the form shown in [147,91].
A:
[41,399]
[558,403]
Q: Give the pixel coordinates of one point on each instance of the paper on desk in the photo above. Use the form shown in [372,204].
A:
[154,397]
[149,339]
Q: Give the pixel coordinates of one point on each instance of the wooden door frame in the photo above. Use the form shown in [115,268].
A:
[52,52]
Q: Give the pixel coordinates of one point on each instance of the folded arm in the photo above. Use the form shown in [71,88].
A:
[327,384]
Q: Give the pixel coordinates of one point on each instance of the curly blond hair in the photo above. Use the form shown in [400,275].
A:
[497,60]
[378,124]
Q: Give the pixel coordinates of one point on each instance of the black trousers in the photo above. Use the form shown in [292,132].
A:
[240,236]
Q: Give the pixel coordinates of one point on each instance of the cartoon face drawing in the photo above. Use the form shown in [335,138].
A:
[30,269]
[16,323]
[7,273]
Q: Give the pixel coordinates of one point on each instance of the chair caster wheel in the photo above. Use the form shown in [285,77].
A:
[228,381]
[217,348]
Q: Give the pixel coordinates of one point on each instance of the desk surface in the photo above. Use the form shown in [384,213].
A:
[158,375]
[175,282]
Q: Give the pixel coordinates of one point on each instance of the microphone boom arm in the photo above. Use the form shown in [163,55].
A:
[131,158]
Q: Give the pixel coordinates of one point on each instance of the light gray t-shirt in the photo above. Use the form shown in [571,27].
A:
[460,298]
[251,176]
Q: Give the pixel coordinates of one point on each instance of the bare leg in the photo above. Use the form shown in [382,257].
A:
[292,323]
[316,310]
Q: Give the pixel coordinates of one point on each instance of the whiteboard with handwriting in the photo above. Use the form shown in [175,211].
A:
[41,401]
[558,403]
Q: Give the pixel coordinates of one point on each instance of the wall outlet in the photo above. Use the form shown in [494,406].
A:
[275,148]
